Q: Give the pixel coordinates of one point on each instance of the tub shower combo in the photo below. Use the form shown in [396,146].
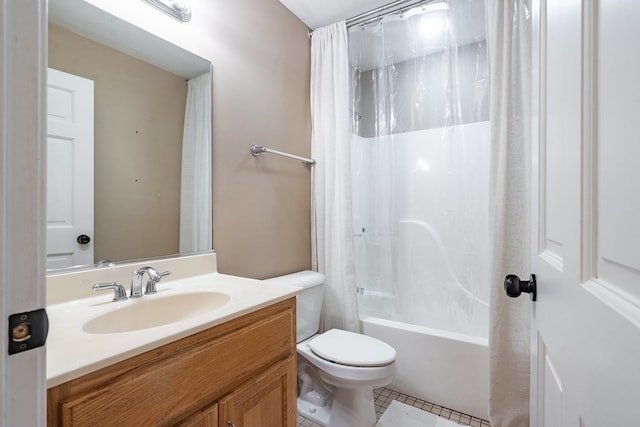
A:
[420,171]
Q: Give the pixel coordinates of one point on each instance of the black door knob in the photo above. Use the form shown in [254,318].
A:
[83,239]
[513,286]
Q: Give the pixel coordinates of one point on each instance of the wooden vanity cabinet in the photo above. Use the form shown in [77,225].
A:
[260,401]
[241,373]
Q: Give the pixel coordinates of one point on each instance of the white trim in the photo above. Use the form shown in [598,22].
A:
[619,300]
[23,48]
[589,142]
[538,131]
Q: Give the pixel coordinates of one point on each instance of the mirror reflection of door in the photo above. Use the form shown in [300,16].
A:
[69,170]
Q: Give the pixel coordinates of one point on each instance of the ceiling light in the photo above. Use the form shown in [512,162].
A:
[177,9]
[433,26]
[430,7]
[434,7]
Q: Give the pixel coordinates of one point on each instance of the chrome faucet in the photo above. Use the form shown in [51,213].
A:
[119,293]
[154,277]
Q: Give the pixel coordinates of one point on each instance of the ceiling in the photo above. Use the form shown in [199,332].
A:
[317,13]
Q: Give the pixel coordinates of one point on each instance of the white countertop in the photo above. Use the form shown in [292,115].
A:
[73,352]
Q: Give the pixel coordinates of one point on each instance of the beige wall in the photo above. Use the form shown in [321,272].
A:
[261,60]
[261,208]
[139,118]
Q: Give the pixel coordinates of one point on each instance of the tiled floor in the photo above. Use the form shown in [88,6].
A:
[384,397]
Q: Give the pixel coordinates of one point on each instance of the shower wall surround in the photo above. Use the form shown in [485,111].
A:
[422,227]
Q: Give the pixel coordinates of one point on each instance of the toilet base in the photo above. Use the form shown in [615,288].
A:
[317,414]
[353,407]
[350,408]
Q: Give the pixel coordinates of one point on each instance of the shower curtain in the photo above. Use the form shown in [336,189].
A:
[331,241]
[195,191]
[419,148]
[439,194]
[509,35]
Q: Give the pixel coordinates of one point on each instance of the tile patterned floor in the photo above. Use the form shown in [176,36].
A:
[384,397]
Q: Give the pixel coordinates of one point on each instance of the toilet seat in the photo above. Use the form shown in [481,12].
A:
[350,375]
[351,349]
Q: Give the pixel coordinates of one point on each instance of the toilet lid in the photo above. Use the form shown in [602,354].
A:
[351,349]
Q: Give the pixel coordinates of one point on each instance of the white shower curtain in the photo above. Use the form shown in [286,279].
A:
[332,237]
[509,36]
[195,192]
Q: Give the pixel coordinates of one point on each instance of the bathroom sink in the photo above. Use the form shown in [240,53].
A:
[154,310]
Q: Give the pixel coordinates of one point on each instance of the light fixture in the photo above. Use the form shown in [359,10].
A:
[423,165]
[433,26]
[433,23]
[434,7]
[177,9]
[429,7]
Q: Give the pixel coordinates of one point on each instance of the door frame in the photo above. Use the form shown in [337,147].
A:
[23,31]
[537,60]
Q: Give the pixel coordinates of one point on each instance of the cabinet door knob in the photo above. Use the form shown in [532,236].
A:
[230,424]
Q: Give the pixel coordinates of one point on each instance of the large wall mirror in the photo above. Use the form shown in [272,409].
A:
[129,142]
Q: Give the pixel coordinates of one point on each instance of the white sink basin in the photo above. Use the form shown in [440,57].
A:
[89,332]
[155,310]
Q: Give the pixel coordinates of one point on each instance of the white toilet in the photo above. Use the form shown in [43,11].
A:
[337,370]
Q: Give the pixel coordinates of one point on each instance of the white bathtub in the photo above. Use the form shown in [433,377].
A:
[445,368]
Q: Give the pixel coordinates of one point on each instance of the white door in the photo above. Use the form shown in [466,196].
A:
[586,214]
[69,170]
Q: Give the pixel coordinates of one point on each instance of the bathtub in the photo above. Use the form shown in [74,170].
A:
[445,368]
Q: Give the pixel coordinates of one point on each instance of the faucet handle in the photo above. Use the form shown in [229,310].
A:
[151,283]
[119,293]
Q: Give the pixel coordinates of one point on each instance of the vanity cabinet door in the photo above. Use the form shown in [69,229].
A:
[269,400]
[208,417]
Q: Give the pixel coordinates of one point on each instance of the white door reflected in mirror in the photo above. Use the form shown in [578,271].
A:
[69,169]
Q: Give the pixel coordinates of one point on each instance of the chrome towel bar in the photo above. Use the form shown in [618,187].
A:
[256,150]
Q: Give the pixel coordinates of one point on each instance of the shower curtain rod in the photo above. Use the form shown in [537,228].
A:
[256,150]
[387,9]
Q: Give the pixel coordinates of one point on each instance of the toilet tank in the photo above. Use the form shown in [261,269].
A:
[308,303]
